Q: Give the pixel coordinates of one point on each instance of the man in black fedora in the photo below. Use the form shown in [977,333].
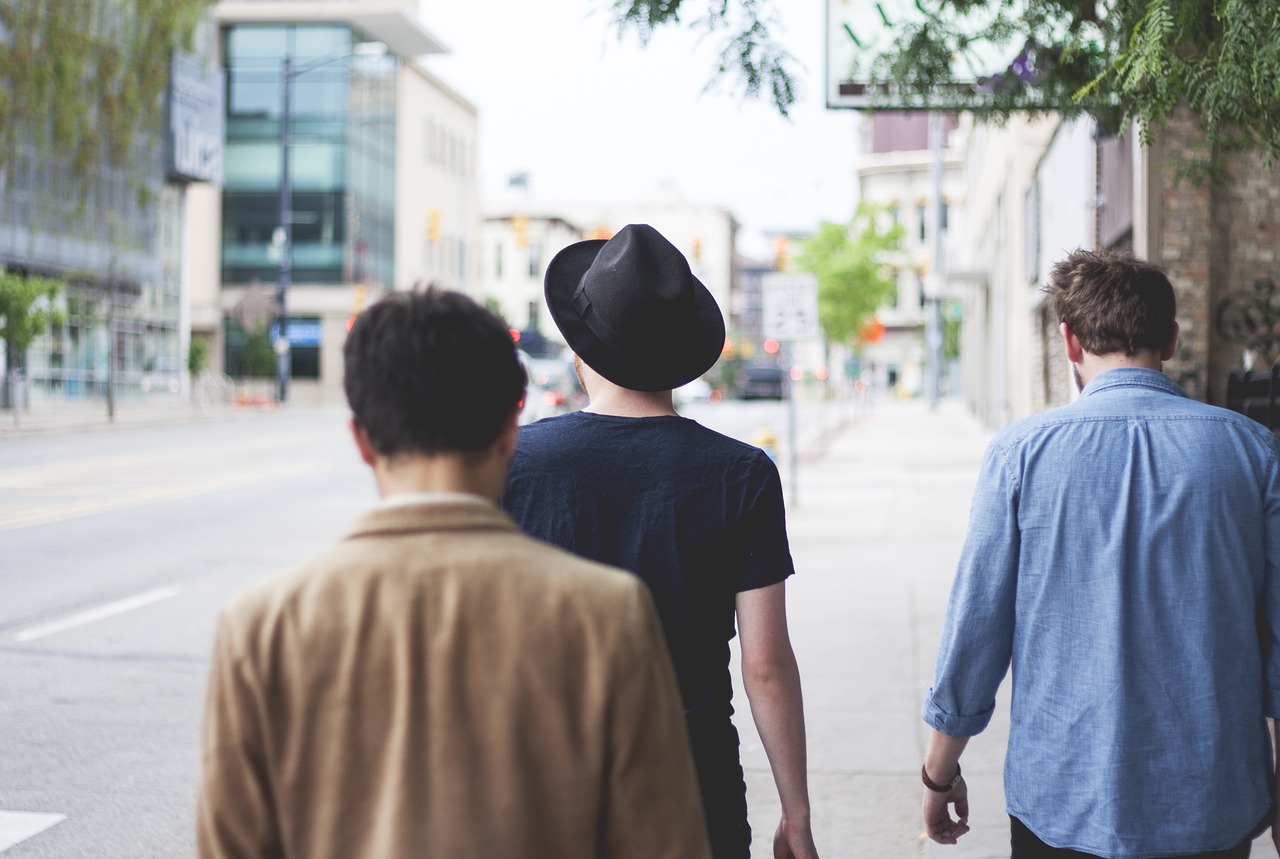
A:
[698,516]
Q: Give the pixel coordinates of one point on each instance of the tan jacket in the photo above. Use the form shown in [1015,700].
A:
[439,684]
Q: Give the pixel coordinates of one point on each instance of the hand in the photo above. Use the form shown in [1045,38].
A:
[937,819]
[794,840]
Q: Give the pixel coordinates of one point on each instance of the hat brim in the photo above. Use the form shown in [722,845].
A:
[696,342]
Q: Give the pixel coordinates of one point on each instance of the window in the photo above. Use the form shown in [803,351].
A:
[535,259]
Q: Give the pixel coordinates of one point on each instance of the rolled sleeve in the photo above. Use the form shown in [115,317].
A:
[977,635]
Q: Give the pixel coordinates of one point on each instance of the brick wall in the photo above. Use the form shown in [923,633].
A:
[1214,238]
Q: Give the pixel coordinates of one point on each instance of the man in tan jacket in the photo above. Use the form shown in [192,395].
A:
[438,684]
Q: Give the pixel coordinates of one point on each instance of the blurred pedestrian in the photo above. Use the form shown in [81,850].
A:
[696,515]
[439,684]
[1124,556]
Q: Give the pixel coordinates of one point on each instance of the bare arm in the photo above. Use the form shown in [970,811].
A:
[772,682]
[941,763]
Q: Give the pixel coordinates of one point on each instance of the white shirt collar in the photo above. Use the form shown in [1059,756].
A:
[403,499]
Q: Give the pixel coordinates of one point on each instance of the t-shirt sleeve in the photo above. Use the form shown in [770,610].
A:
[766,556]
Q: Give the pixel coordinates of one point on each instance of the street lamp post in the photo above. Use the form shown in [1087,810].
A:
[288,73]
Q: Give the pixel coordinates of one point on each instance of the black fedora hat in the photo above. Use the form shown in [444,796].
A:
[633,311]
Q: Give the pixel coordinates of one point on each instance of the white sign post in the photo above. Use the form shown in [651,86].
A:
[790,306]
[790,314]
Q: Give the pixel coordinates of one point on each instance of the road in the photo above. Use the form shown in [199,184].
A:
[117,548]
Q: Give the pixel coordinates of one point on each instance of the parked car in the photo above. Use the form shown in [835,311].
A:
[762,382]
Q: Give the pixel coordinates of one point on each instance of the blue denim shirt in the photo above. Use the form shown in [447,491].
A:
[1123,555]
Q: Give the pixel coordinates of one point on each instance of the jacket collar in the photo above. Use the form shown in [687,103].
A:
[1131,377]
[435,515]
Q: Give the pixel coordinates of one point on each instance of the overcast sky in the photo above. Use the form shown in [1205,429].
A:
[591,118]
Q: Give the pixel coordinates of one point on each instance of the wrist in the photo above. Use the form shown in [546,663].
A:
[796,818]
[940,785]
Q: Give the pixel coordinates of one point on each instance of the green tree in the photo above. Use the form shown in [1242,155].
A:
[26,312]
[1118,60]
[259,354]
[197,356]
[83,77]
[749,50]
[853,265]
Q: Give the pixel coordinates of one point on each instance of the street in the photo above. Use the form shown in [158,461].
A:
[119,546]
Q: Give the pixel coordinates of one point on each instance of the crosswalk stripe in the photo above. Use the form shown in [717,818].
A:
[16,826]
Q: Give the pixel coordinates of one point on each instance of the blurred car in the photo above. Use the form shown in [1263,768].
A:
[762,382]
[552,390]
[697,391]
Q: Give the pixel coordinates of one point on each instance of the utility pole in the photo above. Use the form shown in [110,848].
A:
[933,295]
[286,232]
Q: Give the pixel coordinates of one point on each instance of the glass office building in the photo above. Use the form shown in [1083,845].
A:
[111,230]
[342,168]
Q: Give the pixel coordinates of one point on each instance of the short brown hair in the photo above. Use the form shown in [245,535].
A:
[1113,302]
[431,372]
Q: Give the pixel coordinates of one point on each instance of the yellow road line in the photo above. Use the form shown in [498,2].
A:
[27,517]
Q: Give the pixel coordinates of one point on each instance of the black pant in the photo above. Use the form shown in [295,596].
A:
[724,793]
[1027,846]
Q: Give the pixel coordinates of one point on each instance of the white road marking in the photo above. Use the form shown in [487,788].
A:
[90,615]
[18,826]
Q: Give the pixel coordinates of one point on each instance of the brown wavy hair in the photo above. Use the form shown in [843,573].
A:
[1113,301]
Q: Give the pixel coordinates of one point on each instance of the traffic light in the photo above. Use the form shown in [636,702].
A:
[781,253]
[433,225]
[771,347]
[520,226]
[697,248]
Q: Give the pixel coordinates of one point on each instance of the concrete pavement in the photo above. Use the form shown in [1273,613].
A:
[63,416]
[884,506]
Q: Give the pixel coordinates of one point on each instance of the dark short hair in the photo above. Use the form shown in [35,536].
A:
[1113,301]
[431,372]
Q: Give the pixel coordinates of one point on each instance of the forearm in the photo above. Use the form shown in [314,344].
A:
[943,756]
[777,707]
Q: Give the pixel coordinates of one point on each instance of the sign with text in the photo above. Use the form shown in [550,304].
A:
[790,305]
[859,31]
[196,120]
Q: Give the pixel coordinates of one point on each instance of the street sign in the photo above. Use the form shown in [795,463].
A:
[858,32]
[790,305]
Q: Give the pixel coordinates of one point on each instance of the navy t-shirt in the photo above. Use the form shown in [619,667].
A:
[697,515]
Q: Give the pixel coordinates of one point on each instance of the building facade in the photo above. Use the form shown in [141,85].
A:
[902,173]
[514,252]
[113,228]
[381,182]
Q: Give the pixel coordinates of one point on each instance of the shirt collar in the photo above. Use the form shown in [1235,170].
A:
[404,499]
[1131,377]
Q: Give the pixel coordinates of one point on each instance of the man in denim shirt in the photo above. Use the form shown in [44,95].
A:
[1124,556]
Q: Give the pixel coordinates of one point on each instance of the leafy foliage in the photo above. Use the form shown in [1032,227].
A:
[259,354]
[1120,61]
[81,78]
[197,356]
[26,311]
[852,264]
[749,51]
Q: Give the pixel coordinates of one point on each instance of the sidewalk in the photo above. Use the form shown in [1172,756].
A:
[884,507]
[64,416]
